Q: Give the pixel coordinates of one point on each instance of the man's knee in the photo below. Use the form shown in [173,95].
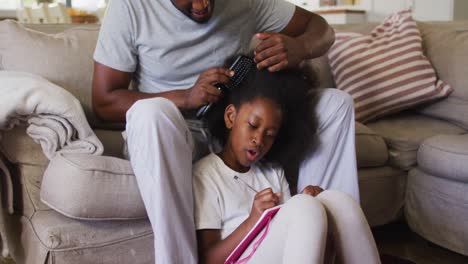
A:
[338,99]
[334,107]
[154,110]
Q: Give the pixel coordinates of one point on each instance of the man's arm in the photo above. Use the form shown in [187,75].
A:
[306,36]
[111,97]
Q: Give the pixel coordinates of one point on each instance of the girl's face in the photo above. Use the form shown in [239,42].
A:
[253,129]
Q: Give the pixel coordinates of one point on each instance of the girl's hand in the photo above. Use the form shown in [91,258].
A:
[263,200]
[312,190]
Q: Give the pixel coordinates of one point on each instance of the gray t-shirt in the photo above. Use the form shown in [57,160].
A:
[168,51]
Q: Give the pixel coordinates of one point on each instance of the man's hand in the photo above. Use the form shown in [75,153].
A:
[263,200]
[277,51]
[312,190]
[204,91]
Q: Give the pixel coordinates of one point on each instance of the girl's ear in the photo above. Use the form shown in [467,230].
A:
[230,116]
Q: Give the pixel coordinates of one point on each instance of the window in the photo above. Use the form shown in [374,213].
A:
[8,4]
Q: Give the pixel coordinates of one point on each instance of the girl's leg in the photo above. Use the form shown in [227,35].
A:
[297,234]
[160,148]
[333,164]
[352,237]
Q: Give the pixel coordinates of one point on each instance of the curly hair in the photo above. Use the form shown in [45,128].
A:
[291,91]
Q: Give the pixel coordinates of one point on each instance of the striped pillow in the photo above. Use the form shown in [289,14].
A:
[386,71]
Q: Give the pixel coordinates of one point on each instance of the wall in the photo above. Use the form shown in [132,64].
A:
[423,10]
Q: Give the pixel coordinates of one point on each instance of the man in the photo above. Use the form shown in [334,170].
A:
[171,51]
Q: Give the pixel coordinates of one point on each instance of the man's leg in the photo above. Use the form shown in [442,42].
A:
[160,150]
[332,165]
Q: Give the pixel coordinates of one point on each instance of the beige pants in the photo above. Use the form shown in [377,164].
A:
[298,233]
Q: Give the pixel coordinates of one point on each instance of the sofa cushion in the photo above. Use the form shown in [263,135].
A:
[65,59]
[371,150]
[447,47]
[382,193]
[405,132]
[437,209]
[445,156]
[18,147]
[49,237]
[89,179]
[386,71]
[58,232]
[30,177]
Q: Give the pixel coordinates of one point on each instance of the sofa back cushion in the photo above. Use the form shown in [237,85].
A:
[447,47]
[65,58]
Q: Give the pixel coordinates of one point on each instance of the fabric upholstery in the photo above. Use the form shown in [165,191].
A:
[30,177]
[382,193]
[49,237]
[447,47]
[371,150]
[437,209]
[386,71]
[60,232]
[69,52]
[54,116]
[445,156]
[18,147]
[89,179]
[113,142]
[405,132]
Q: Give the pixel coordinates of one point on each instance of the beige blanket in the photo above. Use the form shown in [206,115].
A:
[54,117]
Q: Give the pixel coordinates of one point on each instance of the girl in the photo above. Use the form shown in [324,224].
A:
[265,125]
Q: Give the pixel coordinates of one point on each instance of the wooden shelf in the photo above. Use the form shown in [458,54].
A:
[339,11]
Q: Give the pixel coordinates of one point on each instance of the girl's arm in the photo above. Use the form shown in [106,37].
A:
[213,250]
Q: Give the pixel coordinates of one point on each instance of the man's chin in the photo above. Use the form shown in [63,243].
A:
[200,20]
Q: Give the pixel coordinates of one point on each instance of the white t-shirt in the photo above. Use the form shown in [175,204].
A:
[222,202]
[167,50]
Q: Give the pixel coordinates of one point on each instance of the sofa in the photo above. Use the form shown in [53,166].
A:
[86,209]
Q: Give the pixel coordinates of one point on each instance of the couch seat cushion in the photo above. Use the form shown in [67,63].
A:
[60,232]
[445,156]
[371,150]
[405,132]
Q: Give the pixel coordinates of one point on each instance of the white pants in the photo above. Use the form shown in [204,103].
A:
[160,147]
[298,233]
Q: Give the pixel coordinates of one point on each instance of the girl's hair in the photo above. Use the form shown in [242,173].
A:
[292,92]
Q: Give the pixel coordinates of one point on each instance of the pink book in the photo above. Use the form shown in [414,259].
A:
[264,219]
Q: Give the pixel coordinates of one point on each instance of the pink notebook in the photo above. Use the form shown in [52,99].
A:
[258,227]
